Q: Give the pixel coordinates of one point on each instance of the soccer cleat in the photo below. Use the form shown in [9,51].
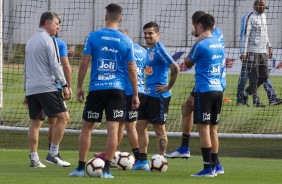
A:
[57,160]
[141,165]
[77,173]
[218,169]
[37,164]
[206,172]
[181,152]
[107,175]
[276,102]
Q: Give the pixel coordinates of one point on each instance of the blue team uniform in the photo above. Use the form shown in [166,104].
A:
[114,51]
[157,68]
[63,51]
[140,57]
[208,55]
[217,33]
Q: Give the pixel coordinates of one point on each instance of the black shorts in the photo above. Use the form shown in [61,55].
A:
[207,107]
[113,101]
[153,109]
[50,103]
[131,114]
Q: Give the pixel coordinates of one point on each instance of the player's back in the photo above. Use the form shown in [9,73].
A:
[209,65]
[110,51]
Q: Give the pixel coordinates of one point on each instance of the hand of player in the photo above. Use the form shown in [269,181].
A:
[71,53]
[25,103]
[269,53]
[80,95]
[67,93]
[201,37]
[243,58]
[194,33]
[161,88]
[135,102]
[70,94]
[190,101]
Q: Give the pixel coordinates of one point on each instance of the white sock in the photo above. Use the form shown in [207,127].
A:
[34,156]
[54,150]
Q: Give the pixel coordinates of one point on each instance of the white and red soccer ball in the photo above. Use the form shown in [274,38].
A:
[124,161]
[94,167]
[158,163]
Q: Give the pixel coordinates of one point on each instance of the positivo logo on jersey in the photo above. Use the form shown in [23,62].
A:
[118,113]
[106,65]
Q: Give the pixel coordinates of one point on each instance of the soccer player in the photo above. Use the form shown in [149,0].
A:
[254,43]
[131,115]
[208,55]
[110,51]
[155,101]
[188,106]
[63,53]
[41,73]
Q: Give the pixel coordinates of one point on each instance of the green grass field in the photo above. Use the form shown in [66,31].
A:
[15,169]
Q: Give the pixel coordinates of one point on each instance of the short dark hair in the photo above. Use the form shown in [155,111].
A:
[197,15]
[207,21]
[48,15]
[113,11]
[152,24]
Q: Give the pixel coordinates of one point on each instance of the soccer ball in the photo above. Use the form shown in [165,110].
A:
[125,161]
[113,162]
[94,167]
[158,163]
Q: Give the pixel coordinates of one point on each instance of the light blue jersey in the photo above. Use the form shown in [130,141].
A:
[110,51]
[208,54]
[63,51]
[157,68]
[140,58]
[217,33]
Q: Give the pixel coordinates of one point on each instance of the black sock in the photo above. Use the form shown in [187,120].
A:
[214,159]
[49,146]
[107,166]
[185,140]
[136,153]
[143,156]
[206,153]
[81,165]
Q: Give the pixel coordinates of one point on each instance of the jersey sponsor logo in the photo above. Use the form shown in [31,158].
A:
[132,114]
[118,113]
[108,84]
[216,57]
[149,70]
[214,69]
[151,56]
[214,46]
[214,81]
[139,59]
[110,38]
[138,51]
[107,49]
[106,65]
[92,115]
[106,76]
[206,116]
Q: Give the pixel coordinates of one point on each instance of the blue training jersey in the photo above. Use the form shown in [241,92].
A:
[217,33]
[63,51]
[208,55]
[110,51]
[156,70]
[140,57]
